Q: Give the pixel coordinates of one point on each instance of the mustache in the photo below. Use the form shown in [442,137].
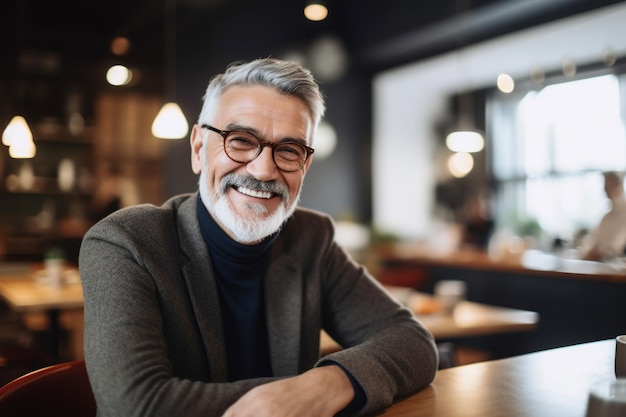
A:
[234,180]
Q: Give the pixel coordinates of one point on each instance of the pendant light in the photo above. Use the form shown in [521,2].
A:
[17,135]
[19,138]
[170,122]
[465,137]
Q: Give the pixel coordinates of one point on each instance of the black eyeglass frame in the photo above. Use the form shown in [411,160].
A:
[263,143]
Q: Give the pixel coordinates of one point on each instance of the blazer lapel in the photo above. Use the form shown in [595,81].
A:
[283,299]
[202,289]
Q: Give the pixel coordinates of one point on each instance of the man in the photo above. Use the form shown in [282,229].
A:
[609,238]
[213,303]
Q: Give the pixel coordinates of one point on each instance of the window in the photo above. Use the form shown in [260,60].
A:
[549,149]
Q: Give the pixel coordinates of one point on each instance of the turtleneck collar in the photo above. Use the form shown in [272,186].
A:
[223,248]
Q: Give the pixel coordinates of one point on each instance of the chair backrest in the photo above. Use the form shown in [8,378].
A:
[58,390]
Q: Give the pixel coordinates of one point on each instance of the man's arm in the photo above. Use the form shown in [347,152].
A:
[319,392]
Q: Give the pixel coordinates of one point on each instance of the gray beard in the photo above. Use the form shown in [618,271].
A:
[247,228]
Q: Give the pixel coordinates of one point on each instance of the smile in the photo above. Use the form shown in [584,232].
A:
[254,193]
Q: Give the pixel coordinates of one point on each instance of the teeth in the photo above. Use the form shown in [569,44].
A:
[255,193]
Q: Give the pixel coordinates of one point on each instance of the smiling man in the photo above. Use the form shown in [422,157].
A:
[212,304]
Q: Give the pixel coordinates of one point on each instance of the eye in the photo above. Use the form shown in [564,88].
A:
[242,140]
[290,151]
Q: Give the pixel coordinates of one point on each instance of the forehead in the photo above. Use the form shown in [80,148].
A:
[262,104]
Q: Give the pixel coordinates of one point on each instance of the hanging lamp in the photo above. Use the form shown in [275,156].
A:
[465,137]
[17,135]
[19,138]
[170,122]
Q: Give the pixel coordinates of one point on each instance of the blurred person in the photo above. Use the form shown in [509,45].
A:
[212,304]
[477,224]
[608,240]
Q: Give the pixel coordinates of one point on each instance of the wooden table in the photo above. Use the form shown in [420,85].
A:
[550,383]
[23,291]
[467,319]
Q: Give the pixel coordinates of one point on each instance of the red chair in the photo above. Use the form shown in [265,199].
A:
[58,390]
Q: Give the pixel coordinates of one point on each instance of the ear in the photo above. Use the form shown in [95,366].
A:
[307,164]
[195,141]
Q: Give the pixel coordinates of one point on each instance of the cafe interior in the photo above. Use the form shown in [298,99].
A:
[464,143]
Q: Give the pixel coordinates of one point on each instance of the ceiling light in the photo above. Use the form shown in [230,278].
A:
[170,122]
[19,138]
[315,11]
[465,141]
[119,75]
[505,83]
[464,137]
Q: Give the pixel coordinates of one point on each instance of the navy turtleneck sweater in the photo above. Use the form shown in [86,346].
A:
[239,271]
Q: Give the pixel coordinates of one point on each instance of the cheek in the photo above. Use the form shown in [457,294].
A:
[218,165]
[294,184]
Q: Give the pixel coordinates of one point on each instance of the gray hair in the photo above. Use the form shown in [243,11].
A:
[287,77]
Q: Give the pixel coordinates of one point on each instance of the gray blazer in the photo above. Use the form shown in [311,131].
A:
[153,333]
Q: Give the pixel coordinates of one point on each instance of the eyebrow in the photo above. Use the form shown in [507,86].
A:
[241,128]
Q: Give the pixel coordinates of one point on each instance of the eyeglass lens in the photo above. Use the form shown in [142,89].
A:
[244,147]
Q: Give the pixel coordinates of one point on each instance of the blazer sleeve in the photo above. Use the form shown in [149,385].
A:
[142,353]
[386,350]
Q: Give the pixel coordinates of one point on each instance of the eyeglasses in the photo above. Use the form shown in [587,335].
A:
[244,147]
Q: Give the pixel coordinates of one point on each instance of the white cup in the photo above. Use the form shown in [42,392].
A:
[607,399]
[620,356]
[54,271]
[450,293]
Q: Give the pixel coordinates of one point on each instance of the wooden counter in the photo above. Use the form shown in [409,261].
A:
[578,301]
[530,262]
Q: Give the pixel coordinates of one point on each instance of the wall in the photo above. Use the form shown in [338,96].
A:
[409,101]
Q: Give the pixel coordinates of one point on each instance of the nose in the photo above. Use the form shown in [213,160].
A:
[263,167]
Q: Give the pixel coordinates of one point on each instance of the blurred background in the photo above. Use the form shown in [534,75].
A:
[541,81]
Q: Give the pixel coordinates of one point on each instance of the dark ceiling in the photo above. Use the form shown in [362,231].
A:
[73,36]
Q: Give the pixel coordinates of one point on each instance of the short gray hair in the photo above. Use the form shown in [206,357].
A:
[288,77]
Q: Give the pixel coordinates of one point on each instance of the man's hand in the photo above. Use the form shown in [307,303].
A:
[319,392]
